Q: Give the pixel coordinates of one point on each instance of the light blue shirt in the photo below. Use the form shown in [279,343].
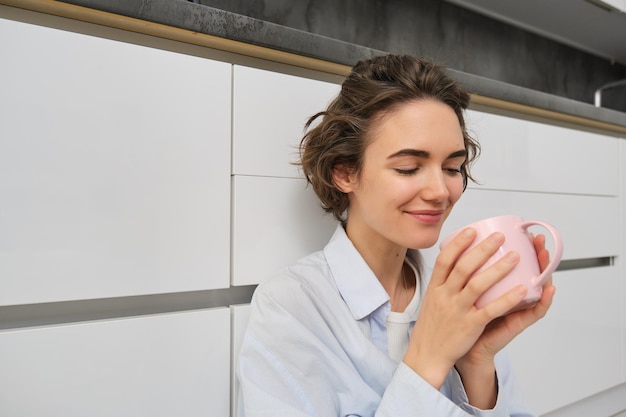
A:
[316,345]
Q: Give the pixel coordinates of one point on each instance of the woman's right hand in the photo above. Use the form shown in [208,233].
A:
[449,324]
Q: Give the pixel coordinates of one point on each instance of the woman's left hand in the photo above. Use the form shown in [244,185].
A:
[503,330]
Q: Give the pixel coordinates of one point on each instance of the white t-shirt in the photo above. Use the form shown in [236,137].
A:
[398,324]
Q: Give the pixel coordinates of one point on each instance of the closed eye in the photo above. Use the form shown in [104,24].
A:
[453,171]
[407,171]
[454,158]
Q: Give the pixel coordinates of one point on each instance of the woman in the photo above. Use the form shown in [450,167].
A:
[358,329]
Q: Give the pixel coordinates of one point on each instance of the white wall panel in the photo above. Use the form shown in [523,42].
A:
[114,168]
[276,221]
[587,224]
[158,366]
[240,317]
[621,261]
[529,156]
[269,113]
[575,351]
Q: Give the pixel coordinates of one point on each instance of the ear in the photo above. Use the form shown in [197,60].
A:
[344,178]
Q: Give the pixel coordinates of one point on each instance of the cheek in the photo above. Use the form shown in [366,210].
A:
[455,188]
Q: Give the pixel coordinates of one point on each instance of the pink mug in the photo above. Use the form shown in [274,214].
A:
[517,239]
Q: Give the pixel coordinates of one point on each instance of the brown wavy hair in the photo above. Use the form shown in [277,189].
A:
[374,86]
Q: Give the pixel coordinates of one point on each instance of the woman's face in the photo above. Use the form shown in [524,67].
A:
[410,178]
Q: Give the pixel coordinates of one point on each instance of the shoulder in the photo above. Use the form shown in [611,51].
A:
[307,281]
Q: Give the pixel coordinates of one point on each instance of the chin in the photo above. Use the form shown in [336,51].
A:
[424,243]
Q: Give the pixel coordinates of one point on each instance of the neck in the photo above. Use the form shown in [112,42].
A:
[386,260]
[404,292]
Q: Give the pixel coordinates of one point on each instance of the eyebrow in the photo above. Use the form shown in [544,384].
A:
[425,154]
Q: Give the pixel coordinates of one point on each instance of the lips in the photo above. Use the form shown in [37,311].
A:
[427,216]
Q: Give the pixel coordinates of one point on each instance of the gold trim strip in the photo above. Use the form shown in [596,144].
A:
[548,114]
[85,14]
[131,24]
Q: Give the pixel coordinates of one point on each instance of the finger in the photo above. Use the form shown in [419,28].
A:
[547,297]
[473,260]
[481,282]
[547,282]
[543,256]
[505,303]
[450,254]
[525,318]
[539,242]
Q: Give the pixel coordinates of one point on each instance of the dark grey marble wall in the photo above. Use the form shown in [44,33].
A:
[458,38]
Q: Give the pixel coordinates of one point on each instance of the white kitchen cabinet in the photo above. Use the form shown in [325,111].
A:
[586,223]
[276,221]
[621,261]
[575,351]
[269,113]
[159,366]
[523,155]
[114,168]
[240,315]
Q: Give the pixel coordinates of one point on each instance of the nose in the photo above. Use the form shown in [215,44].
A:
[436,186]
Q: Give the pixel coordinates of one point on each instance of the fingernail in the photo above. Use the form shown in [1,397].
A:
[497,237]
[512,257]
[469,232]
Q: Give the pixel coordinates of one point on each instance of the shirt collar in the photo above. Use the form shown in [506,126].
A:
[356,282]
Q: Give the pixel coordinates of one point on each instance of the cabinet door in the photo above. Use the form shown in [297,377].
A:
[523,155]
[276,221]
[159,366]
[114,168]
[240,316]
[621,260]
[269,113]
[587,224]
[575,351]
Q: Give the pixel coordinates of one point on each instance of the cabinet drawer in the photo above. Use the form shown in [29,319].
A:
[240,315]
[530,156]
[115,178]
[276,221]
[161,366]
[587,224]
[576,347]
[269,113]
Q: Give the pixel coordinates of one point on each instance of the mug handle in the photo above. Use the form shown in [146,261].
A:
[555,257]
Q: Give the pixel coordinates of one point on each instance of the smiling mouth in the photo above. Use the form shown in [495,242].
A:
[427,216]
